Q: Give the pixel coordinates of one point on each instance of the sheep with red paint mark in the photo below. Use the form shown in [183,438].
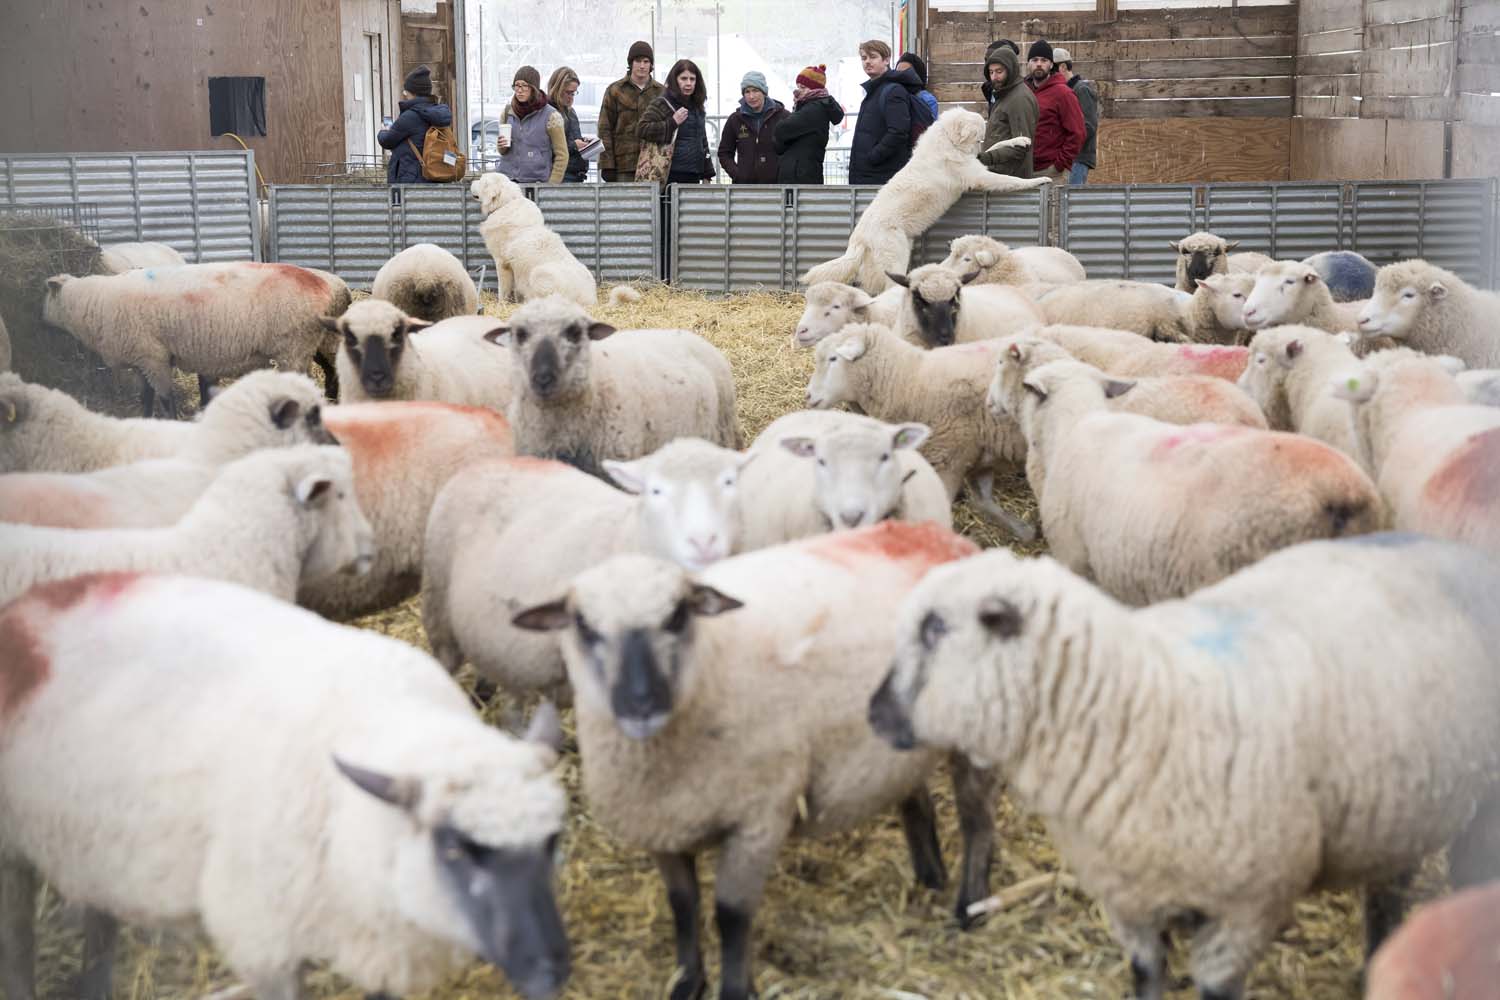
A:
[1431,309]
[46,430]
[999,264]
[385,355]
[1121,352]
[1435,455]
[1288,292]
[726,709]
[1152,511]
[214,320]
[505,533]
[304,792]
[269,520]
[427,283]
[1323,719]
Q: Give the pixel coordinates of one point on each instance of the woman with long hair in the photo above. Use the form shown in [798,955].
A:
[677,117]
[562,87]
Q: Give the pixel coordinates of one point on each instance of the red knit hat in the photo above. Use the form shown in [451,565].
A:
[813,77]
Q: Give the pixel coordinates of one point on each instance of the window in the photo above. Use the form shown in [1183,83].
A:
[237,104]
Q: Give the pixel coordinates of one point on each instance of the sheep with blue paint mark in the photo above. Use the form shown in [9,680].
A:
[1350,276]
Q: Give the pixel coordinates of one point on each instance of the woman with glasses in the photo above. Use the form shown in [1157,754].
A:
[563,86]
[536,151]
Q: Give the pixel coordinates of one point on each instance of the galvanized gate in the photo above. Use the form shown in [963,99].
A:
[613,229]
[201,203]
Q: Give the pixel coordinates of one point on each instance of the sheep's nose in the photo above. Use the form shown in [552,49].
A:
[851,518]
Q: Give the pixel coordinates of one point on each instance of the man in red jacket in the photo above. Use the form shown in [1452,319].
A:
[1060,128]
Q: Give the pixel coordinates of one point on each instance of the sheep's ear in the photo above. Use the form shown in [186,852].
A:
[1356,387]
[1000,617]
[549,617]
[1311,279]
[910,436]
[899,278]
[330,323]
[969,277]
[1035,388]
[1016,354]
[1175,245]
[57,281]
[1231,245]
[598,331]
[413,324]
[1450,364]
[705,600]
[499,336]
[546,728]
[628,475]
[312,489]
[403,793]
[1114,388]
[861,300]
[284,413]
[802,447]
[1437,290]
[852,349]
[1292,352]
[986,258]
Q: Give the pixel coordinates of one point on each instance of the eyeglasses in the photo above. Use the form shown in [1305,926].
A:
[570,91]
[518,87]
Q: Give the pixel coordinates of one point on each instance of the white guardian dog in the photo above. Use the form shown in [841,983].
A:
[943,166]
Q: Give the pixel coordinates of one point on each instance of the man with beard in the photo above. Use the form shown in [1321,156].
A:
[1060,129]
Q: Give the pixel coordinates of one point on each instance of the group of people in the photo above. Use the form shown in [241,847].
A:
[661,129]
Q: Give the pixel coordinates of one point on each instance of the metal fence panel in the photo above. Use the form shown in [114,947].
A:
[1285,221]
[1123,231]
[726,238]
[352,230]
[203,204]
[1449,223]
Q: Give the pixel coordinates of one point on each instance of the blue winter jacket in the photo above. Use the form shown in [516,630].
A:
[882,133]
[417,116]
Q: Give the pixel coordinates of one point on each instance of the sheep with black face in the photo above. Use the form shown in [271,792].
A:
[934,312]
[1200,255]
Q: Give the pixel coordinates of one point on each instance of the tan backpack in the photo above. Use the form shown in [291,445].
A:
[440,157]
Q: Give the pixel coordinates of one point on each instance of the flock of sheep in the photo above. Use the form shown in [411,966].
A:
[1228,685]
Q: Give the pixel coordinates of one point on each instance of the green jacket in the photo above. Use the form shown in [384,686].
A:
[619,114]
[1014,114]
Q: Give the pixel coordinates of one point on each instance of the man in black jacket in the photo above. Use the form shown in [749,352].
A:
[1088,101]
[419,112]
[882,136]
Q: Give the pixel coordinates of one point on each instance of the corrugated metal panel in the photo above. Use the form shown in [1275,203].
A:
[1286,221]
[1449,223]
[613,229]
[201,203]
[1123,231]
[726,238]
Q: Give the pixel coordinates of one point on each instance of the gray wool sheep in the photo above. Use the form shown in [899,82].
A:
[1151,310]
[938,311]
[426,282]
[300,791]
[1204,763]
[1350,276]
[584,402]
[1287,292]
[385,354]
[1429,309]
[831,306]
[46,430]
[726,710]
[1205,499]
[1199,255]
[268,521]
[215,320]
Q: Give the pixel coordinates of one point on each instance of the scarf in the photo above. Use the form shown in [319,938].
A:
[811,95]
[538,102]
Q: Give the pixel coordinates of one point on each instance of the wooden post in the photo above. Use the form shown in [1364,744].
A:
[1106,10]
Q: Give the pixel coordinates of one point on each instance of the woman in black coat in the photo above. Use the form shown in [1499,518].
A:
[801,139]
[419,112]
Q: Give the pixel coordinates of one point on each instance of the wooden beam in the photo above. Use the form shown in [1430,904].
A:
[1254,107]
[1106,11]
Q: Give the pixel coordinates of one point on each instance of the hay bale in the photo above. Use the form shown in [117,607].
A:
[34,247]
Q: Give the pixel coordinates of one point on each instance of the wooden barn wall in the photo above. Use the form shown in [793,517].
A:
[1397,89]
[427,39]
[381,18]
[1185,94]
[101,75]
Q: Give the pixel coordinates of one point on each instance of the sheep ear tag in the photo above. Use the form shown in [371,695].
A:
[312,489]
[10,412]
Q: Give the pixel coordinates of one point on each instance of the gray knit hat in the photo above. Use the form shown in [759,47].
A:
[756,79]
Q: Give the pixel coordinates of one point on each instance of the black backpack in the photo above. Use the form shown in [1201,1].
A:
[921,114]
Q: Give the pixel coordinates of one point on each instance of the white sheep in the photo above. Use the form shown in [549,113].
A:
[820,470]
[268,520]
[1202,764]
[46,430]
[426,282]
[938,311]
[1199,255]
[1435,456]
[1216,312]
[385,354]
[619,399]
[1151,310]
[215,320]
[1287,292]
[831,306]
[942,167]
[1121,352]
[544,521]
[999,264]
[531,261]
[726,709]
[1289,376]
[1204,500]
[1248,262]
[1427,308]
[302,791]
[117,258]
[1481,386]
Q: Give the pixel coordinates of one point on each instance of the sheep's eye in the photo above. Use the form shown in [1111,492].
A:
[835,306]
[1238,295]
[520,335]
[933,629]
[657,491]
[728,482]
[586,632]
[351,340]
[1290,281]
[573,334]
[822,464]
[886,457]
[678,620]
[1408,295]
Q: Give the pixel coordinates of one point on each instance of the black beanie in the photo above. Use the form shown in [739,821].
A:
[640,50]
[918,66]
[1040,47]
[418,81]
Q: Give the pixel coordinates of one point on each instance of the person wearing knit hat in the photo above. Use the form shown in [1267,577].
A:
[536,149]
[1060,129]
[801,139]
[746,151]
[913,62]
[407,135]
[620,114]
